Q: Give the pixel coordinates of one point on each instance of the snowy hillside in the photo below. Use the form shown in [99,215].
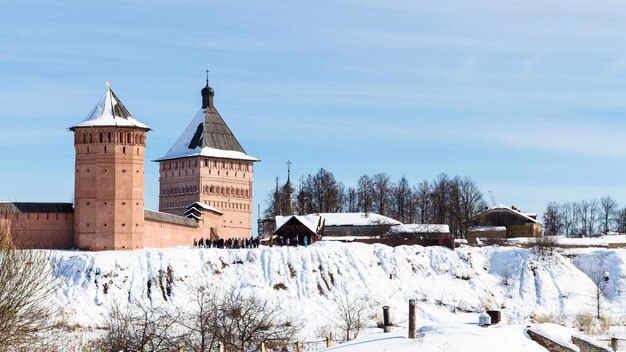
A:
[307,281]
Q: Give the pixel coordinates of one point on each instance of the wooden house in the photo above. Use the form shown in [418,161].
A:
[501,222]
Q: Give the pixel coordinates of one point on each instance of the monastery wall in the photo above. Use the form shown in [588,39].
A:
[40,230]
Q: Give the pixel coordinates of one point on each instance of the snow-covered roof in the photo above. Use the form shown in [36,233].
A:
[556,333]
[524,215]
[207,135]
[420,228]
[110,112]
[487,228]
[310,221]
[356,219]
[204,206]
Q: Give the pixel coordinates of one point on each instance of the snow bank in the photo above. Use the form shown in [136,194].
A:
[450,286]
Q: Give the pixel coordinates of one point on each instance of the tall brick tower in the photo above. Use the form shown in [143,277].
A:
[109,181]
[208,165]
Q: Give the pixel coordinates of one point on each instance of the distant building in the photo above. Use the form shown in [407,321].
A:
[356,224]
[359,227]
[501,222]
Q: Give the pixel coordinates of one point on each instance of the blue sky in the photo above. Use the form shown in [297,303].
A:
[526,97]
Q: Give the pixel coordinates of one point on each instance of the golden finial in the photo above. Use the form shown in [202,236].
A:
[108,84]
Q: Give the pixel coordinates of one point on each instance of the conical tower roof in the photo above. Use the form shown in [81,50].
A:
[207,135]
[110,112]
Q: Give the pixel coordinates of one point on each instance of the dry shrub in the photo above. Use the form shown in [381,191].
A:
[588,323]
[26,282]
[545,245]
[548,318]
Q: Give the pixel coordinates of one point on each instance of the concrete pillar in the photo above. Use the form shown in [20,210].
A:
[411,318]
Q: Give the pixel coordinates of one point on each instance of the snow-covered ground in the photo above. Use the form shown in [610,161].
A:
[450,286]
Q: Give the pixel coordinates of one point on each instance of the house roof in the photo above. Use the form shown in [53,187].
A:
[504,207]
[420,228]
[207,135]
[29,207]
[110,111]
[310,221]
[356,219]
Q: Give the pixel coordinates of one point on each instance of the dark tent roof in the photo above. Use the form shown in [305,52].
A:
[25,207]
[217,134]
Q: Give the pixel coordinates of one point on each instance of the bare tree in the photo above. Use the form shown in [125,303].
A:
[470,202]
[200,323]
[139,327]
[351,200]
[351,312]
[621,220]
[422,202]
[240,322]
[589,214]
[570,218]
[553,222]
[364,193]
[402,201]
[440,198]
[608,207]
[26,282]
[244,322]
[382,187]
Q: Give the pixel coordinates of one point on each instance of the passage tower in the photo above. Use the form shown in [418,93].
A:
[208,167]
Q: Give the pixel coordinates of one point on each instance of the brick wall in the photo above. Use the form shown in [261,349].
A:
[548,344]
[588,347]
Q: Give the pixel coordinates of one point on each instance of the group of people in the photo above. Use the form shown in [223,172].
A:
[230,243]
[293,241]
[236,243]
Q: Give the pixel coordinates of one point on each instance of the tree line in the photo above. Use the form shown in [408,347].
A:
[585,218]
[443,200]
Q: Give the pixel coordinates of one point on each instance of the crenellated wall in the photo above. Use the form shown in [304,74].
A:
[39,230]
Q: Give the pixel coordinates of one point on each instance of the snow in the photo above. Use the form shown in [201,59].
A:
[420,228]
[103,114]
[600,241]
[180,149]
[460,337]
[356,219]
[204,206]
[557,333]
[487,228]
[451,286]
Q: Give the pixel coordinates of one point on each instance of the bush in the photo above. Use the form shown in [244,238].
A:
[545,245]
[548,318]
[26,282]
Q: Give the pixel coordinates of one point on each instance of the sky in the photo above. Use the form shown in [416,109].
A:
[526,97]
